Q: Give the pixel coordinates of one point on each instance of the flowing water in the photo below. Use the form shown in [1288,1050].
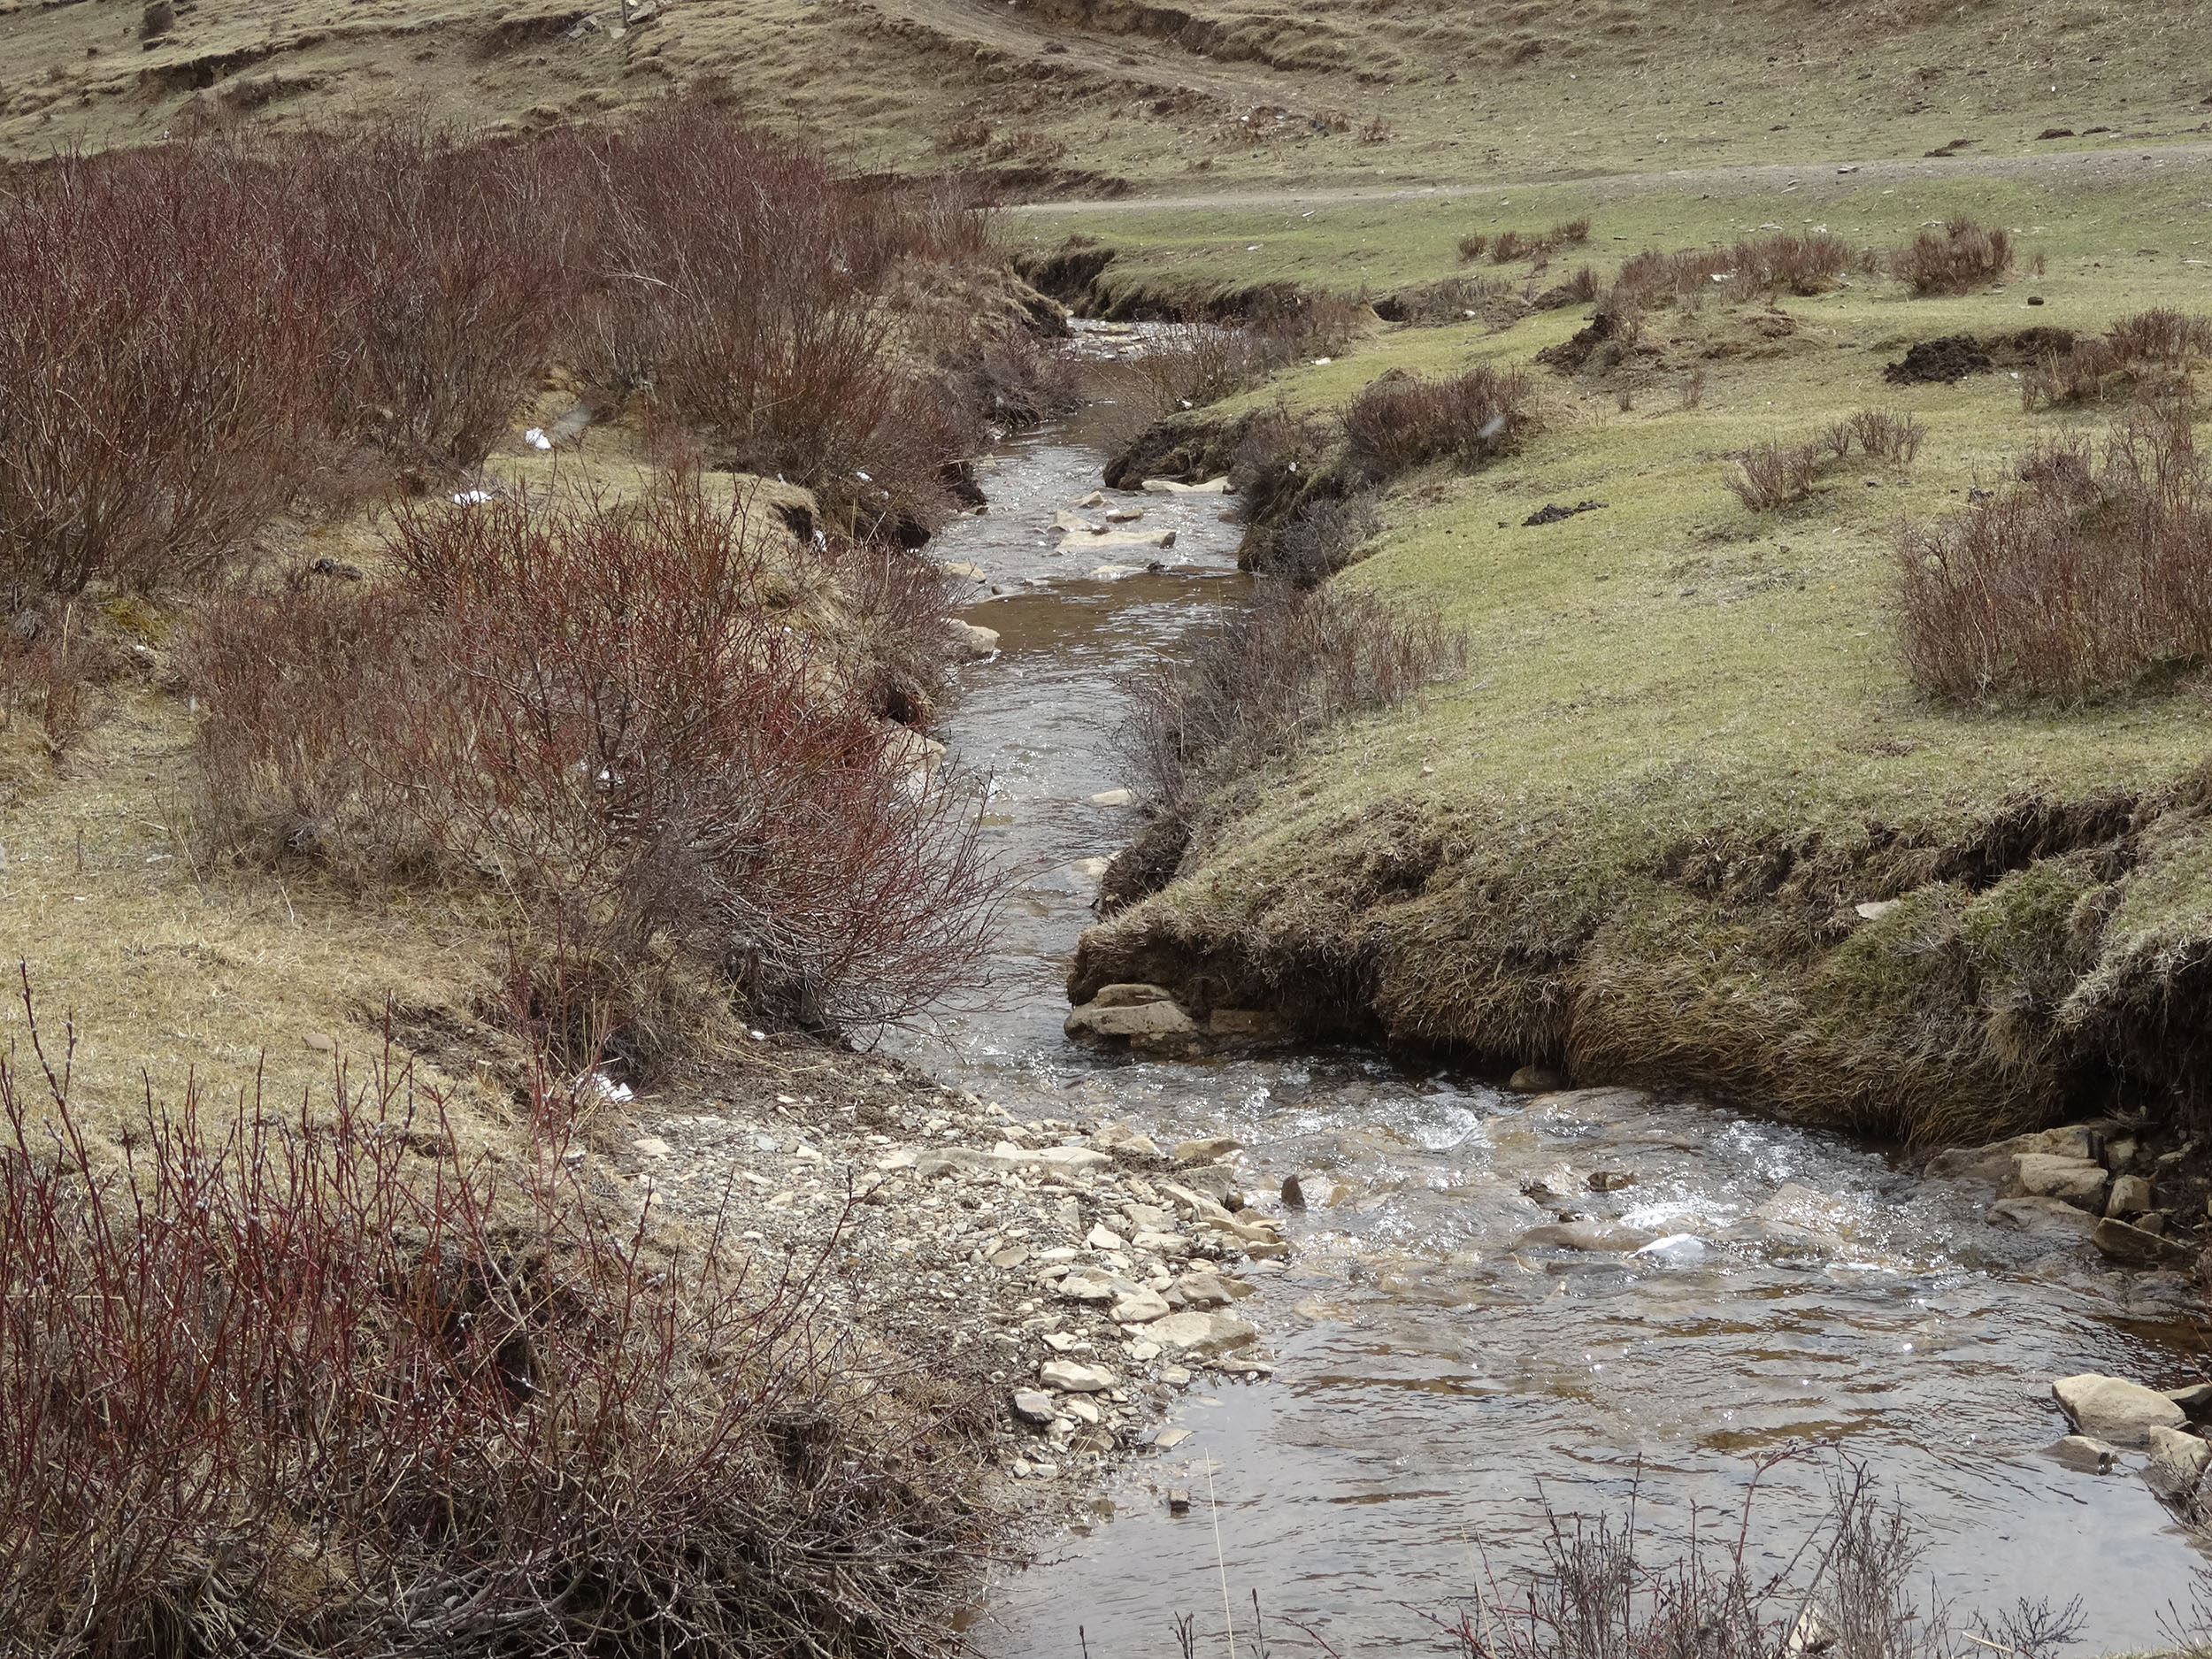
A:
[1429,1377]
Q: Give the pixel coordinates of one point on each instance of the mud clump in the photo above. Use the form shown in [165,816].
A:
[1940,361]
[1951,357]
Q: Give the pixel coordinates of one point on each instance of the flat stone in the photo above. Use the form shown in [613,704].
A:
[1169,1244]
[1131,538]
[651,1147]
[1206,1149]
[1067,1160]
[2131,1196]
[1034,1405]
[1140,1306]
[2048,1175]
[1073,523]
[1092,502]
[1203,1290]
[1124,515]
[320,1041]
[961,571]
[2085,1456]
[1069,1377]
[1874,909]
[1114,797]
[1148,1021]
[1202,1335]
[1798,1205]
[1092,1284]
[1168,1440]
[1169,487]
[2041,1217]
[1132,995]
[1535,1079]
[2134,1246]
[1102,1237]
[2116,1410]
[1082,1409]
[1992,1163]
[1585,1235]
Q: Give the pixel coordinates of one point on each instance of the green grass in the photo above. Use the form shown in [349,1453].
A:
[1687,748]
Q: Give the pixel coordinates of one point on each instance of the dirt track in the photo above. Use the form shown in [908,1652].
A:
[1818,178]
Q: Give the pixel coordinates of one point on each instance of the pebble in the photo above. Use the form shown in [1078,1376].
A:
[1033,1405]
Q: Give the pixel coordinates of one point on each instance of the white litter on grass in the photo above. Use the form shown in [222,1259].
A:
[471,497]
[536,439]
[608,1089]
[759,1036]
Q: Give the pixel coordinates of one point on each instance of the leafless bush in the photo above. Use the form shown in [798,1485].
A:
[1251,688]
[601,711]
[1568,233]
[2092,570]
[1472,244]
[1402,421]
[1690,394]
[311,1382]
[2147,356]
[1755,267]
[1965,256]
[1777,475]
[1600,1595]
[1493,300]
[1321,537]
[156,370]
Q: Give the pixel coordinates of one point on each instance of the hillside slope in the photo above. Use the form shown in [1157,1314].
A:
[1099,95]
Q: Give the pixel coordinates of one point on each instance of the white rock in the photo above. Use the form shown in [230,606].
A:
[1140,1306]
[2116,1410]
[2041,1217]
[1874,909]
[1131,538]
[1070,524]
[2078,1452]
[971,642]
[2178,1460]
[1148,1020]
[1169,487]
[1204,1335]
[1129,995]
[1068,1160]
[1069,1377]
[1102,1237]
[1207,1148]
[651,1147]
[1114,797]
[2047,1175]
[1083,1409]
[2131,1196]
[1090,1284]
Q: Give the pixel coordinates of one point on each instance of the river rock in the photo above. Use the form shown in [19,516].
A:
[2048,1175]
[2087,1456]
[1147,1021]
[2116,1410]
[1139,1306]
[1312,1191]
[1198,1182]
[1067,1160]
[1093,1284]
[960,571]
[1131,538]
[1068,1377]
[1102,1237]
[1202,1335]
[1169,487]
[1129,995]
[1071,524]
[2041,1217]
[2177,1461]
[1677,1249]
[1207,1148]
[1797,1205]
[1203,1291]
[972,642]
[1124,1141]
[1034,1405]
[1585,1235]
[1535,1079]
[2196,1399]
[2136,1246]
[1114,797]
[1124,515]
[2131,1196]
[1094,500]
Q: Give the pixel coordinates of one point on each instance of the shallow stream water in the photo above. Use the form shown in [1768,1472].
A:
[1428,1378]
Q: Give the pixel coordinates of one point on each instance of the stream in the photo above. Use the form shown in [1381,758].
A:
[1428,1379]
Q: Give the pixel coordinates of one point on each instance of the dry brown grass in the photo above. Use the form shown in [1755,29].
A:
[1966,255]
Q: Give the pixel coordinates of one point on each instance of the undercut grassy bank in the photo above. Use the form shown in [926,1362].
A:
[1686,819]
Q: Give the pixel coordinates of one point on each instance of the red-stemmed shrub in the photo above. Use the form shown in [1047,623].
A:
[609,712]
[314,1382]
[1965,256]
[1402,421]
[2091,572]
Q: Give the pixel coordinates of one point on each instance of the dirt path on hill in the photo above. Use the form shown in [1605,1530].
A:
[1817,179]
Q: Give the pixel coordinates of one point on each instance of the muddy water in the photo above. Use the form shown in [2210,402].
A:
[1428,1376]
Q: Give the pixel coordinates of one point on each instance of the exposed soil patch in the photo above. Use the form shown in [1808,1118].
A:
[1951,357]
